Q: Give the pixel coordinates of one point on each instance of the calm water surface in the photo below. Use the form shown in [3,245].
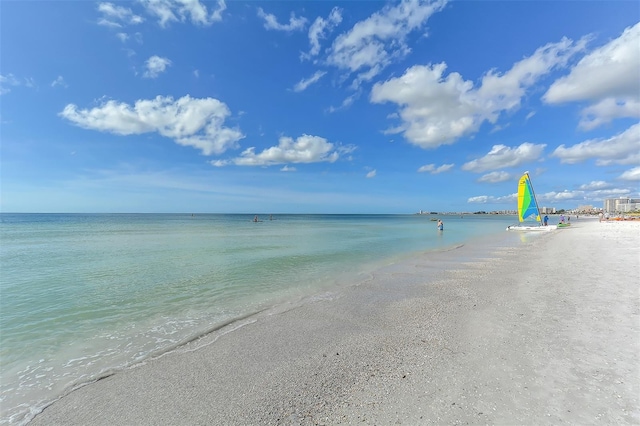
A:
[85,294]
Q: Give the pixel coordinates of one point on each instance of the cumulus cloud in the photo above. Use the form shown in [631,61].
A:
[593,185]
[436,109]
[632,174]
[608,76]
[371,174]
[319,30]
[303,84]
[495,177]
[155,66]
[194,122]
[502,156]
[182,10]
[561,196]
[431,168]
[271,22]
[372,44]
[622,148]
[117,16]
[608,110]
[304,149]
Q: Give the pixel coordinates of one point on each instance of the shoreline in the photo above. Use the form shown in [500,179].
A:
[491,341]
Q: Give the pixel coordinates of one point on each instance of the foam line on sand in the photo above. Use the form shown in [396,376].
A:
[545,333]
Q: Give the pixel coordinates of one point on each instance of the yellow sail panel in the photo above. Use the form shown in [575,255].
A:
[526,200]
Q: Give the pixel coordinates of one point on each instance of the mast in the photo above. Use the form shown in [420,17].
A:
[535,200]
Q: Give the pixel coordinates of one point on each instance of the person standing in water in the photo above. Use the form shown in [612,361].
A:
[440,225]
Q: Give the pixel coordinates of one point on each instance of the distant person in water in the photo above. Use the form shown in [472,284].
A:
[255,218]
[440,225]
[546,220]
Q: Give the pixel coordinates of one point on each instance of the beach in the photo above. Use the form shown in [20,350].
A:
[544,333]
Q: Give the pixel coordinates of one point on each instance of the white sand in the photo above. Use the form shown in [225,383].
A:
[555,339]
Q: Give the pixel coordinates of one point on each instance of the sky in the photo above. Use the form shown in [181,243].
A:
[316,106]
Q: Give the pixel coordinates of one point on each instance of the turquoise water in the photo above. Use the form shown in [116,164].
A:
[82,295]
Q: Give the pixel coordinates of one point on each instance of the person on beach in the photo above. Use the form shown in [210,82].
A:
[546,220]
[440,225]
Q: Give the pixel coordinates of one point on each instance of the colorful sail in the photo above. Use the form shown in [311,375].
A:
[527,204]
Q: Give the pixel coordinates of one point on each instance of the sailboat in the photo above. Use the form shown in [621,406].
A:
[528,206]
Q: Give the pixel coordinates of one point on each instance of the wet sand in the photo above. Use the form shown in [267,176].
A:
[546,333]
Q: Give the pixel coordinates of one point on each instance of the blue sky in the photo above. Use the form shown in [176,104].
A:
[316,107]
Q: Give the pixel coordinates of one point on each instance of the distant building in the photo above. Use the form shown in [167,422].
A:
[585,209]
[621,205]
[548,210]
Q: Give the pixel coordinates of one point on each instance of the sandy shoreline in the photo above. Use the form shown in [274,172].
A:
[553,339]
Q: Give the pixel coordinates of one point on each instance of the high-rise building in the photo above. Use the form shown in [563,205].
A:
[621,205]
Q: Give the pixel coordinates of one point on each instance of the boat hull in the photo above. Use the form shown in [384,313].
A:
[531,228]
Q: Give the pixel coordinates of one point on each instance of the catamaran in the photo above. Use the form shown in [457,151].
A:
[528,206]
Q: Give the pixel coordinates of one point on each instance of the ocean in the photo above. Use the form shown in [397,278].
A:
[84,295]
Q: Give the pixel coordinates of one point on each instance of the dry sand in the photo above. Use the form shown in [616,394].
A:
[551,339]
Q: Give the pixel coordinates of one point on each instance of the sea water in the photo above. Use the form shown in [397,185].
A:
[84,295]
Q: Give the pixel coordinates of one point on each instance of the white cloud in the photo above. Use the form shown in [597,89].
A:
[7,80]
[194,122]
[607,76]
[560,196]
[495,177]
[485,199]
[431,168]
[271,22]
[437,110]
[303,84]
[182,10]
[610,193]
[30,82]
[345,103]
[623,148]
[304,149]
[632,174]
[502,156]
[59,81]
[371,174]
[319,30]
[480,199]
[593,185]
[374,43]
[155,66]
[288,169]
[123,37]
[608,110]
[117,16]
